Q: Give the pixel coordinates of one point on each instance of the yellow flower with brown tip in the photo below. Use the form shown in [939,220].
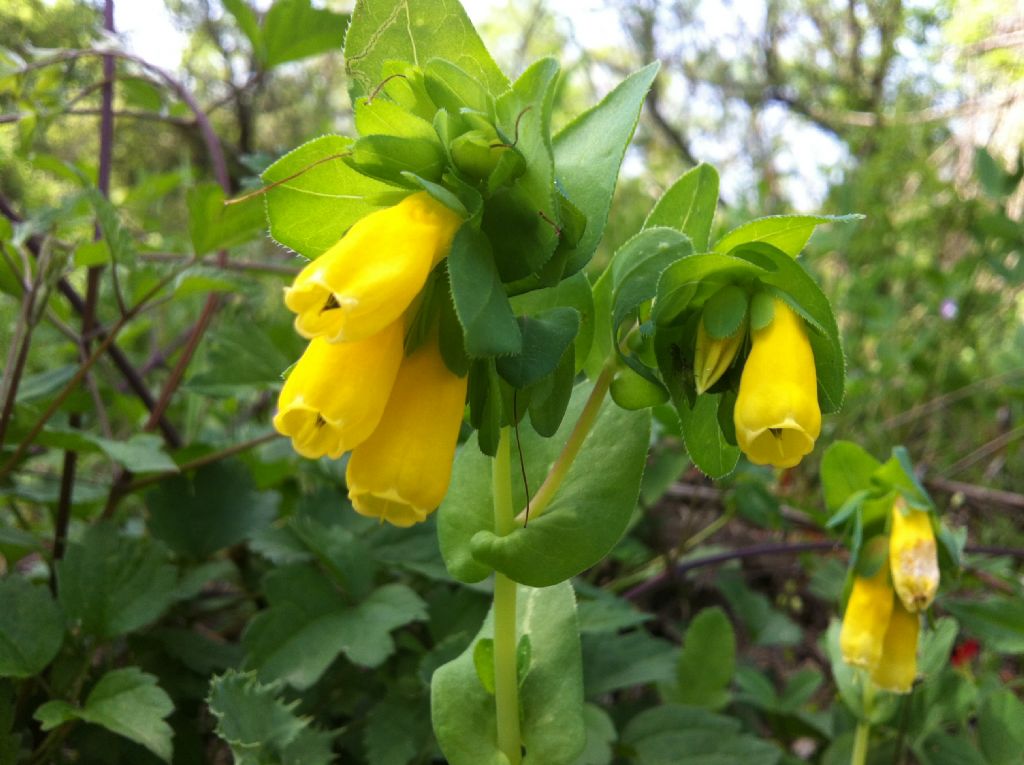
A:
[897,667]
[401,473]
[367,280]
[913,557]
[336,393]
[777,417]
[866,619]
[714,356]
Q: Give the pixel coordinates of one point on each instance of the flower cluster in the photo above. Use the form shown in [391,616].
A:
[356,389]
[882,621]
[777,417]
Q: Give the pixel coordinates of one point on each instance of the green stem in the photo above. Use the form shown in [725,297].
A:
[572,447]
[506,682]
[863,733]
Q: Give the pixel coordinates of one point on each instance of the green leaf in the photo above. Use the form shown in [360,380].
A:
[309,623]
[766,625]
[588,153]
[142,453]
[118,239]
[788,233]
[258,725]
[414,31]
[600,736]
[545,338]
[725,311]
[31,628]
[245,16]
[215,508]
[480,300]
[392,158]
[997,621]
[550,694]
[614,661]
[113,584]
[383,117]
[311,211]
[585,519]
[946,749]
[1001,727]
[676,735]
[707,661]
[574,292]
[396,730]
[689,205]
[937,643]
[127,702]
[294,29]
[550,398]
[846,468]
[92,254]
[243,356]
[214,225]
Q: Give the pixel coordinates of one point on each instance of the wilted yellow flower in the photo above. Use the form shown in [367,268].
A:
[401,473]
[866,619]
[913,557]
[336,394]
[898,665]
[714,356]
[367,280]
[776,416]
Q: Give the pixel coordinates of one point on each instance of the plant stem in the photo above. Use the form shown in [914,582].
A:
[506,682]
[863,734]
[572,447]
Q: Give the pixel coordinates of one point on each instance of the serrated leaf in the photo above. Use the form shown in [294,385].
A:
[689,205]
[414,31]
[545,338]
[788,233]
[127,702]
[311,210]
[214,225]
[707,661]
[551,693]
[31,628]
[589,151]
[142,453]
[396,729]
[113,584]
[216,507]
[481,304]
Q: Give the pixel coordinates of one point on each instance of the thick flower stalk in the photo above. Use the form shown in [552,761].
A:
[897,666]
[777,416]
[401,472]
[354,389]
[866,619]
[367,280]
[913,557]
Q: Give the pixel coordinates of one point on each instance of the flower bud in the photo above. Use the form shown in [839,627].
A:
[476,152]
[336,393]
[714,356]
[897,667]
[913,557]
[776,416]
[367,280]
[401,473]
[866,619]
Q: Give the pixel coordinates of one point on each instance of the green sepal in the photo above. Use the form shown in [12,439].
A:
[453,89]
[389,158]
[545,338]
[384,117]
[485,405]
[549,397]
[725,311]
[451,339]
[574,292]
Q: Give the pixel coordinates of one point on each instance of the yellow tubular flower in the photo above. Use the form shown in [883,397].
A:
[401,473]
[777,416]
[336,394]
[368,279]
[913,557]
[866,619]
[714,356]
[898,666]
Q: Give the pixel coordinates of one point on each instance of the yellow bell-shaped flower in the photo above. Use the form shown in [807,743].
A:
[777,417]
[401,473]
[368,279]
[913,557]
[336,394]
[714,356]
[866,619]
[898,665]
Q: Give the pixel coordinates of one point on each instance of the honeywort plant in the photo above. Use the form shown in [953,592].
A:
[447,244]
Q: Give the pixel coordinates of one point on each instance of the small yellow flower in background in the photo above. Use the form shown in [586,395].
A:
[367,280]
[866,619]
[714,356]
[336,394]
[401,473]
[897,667]
[913,557]
[777,417]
